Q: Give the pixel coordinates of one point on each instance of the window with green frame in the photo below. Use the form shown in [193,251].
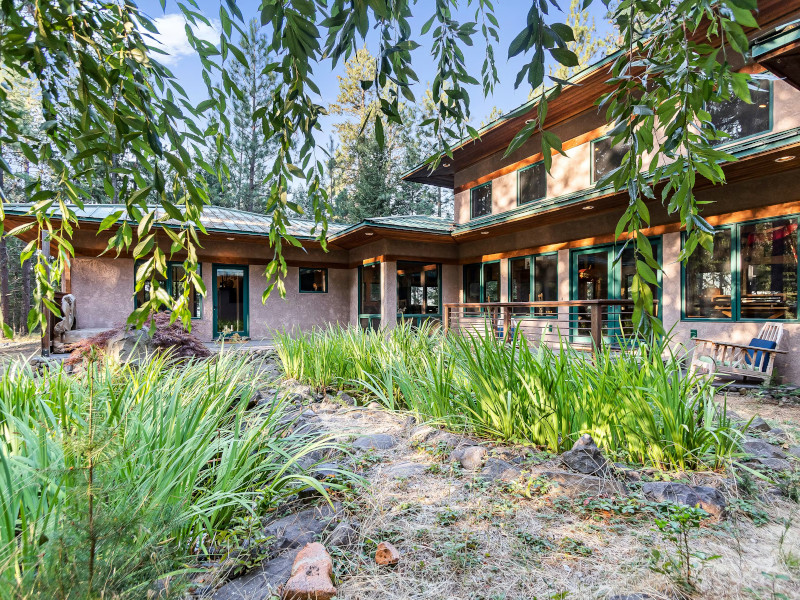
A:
[313,281]
[531,183]
[482,282]
[480,200]
[173,283]
[739,119]
[749,274]
[606,157]
[534,279]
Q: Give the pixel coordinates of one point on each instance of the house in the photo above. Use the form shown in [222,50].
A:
[518,236]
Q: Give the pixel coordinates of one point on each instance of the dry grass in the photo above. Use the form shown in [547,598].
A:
[462,540]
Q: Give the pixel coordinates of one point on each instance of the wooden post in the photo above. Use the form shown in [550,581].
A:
[596,324]
[47,332]
[507,323]
[446,318]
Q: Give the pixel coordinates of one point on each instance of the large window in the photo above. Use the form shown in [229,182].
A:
[532,183]
[174,284]
[418,288]
[482,282]
[605,157]
[537,273]
[480,200]
[751,274]
[739,119]
[313,281]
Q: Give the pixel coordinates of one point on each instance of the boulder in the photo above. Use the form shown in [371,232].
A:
[422,434]
[346,398]
[470,457]
[709,499]
[759,424]
[403,470]
[296,530]
[311,575]
[773,464]
[260,583]
[387,554]
[794,451]
[572,484]
[345,534]
[585,457]
[374,406]
[378,441]
[130,346]
[499,470]
[761,449]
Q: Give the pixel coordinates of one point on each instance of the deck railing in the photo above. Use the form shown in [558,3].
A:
[577,322]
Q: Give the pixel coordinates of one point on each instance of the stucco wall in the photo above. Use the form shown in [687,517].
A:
[572,173]
[103,290]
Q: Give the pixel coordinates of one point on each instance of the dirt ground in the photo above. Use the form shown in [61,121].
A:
[460,537]
[19,348]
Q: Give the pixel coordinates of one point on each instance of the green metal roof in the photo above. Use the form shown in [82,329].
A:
[215,219]
[783,35]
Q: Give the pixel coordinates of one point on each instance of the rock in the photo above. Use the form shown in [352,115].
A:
[499,470]
[794,451]
[761,449]
[709,499]
[445,440]
[311,575]
[345,534]
[411,421]
[759,424]
[572,484]
[296,392]
[627,473]
[778,434]
[634,596]
[294,531]
[378,441]
[374,406]
[387,554]
[403,470]
[346,398]
[470,457]
[260,583]
[774,464]
[327,470]
[585,457]
[421,434]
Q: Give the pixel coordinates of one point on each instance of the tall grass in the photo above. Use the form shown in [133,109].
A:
[636,403]
[109,480]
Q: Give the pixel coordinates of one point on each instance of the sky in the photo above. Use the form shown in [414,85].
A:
[510,15]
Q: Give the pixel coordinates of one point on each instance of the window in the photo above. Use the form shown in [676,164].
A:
[532,183]
[707,280]
[738,119]
[481,200]
[605,157]
[542,279]
[313,281]
[751,273]
[174,285]
[482,282]
[417,288]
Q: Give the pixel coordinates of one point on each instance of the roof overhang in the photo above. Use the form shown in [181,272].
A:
[779,52]
[365,233]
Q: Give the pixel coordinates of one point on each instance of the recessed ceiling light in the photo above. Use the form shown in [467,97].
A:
[484,233]
[762,106]
[786,158]
[528,121]
[588,207]
[368,233]
[231,239]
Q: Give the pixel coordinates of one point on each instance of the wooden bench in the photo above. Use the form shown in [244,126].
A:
[740,361]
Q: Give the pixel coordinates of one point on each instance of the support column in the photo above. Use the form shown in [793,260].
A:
[388,294]
[504,280]
[563,290]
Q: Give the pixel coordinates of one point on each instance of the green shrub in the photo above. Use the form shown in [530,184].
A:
[111,479]
[636,403]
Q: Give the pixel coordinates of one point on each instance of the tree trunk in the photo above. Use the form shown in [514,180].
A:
[4,295]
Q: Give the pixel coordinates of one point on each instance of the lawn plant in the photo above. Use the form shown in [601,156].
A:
[633,397]
[115,477]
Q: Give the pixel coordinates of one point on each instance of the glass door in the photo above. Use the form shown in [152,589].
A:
[230,300]
[369,296]
[596,276]
[418,297]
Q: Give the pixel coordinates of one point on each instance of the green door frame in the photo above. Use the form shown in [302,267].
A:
[614,276]
[371,318]
[415,318]
[245,292]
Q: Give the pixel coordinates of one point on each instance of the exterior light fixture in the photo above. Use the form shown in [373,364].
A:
[230,239]
[445,165]
[368,233]
[588,207]
[484,233]
[783,159]
[762,106]
[528,121]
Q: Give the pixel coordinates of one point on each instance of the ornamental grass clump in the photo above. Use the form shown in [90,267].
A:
[110,479]
[633,398]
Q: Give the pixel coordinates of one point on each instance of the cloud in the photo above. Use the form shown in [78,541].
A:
[172,38]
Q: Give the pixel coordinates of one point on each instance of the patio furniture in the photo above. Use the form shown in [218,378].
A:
[754,360]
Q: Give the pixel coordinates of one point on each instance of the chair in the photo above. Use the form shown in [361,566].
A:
[755,360]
